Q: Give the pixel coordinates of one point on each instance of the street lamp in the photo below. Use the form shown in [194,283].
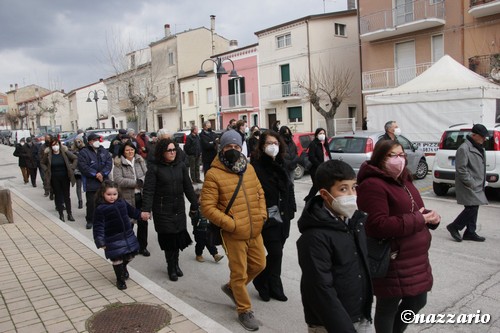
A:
[96,98]
[220,70]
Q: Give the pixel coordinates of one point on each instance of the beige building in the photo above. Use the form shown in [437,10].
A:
[401,38]
[299,50]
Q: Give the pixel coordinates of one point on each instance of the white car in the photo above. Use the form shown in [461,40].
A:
[443,170]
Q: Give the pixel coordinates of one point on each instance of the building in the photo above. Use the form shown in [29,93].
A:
[24,110]
[303,50]
[85,111]
[4,107]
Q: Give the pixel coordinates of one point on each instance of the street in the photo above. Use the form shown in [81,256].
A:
[466,274]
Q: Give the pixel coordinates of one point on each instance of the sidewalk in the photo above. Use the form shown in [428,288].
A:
[52,279]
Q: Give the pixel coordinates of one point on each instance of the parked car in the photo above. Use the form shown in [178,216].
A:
[357,148]
[106,142]
[302,141]
[443,170]
[102,132]
[5,136]
[180,137]
[17,135]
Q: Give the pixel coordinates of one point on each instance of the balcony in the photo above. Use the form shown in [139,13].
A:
[410,17]
[166,102]
[125,105]
[391,77]
[236,101]
[280,92]
[480,8]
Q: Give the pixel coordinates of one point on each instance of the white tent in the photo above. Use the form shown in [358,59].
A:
[445,94]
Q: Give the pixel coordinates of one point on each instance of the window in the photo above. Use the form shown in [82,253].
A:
[437,47]
[190,98]
[183,98]
[283,41]
[171,87]
[294,114]
[339,29]
[352,111]
[170,58]
[210,96]
[236,88]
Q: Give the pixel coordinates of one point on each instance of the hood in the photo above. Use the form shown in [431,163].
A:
[315,216]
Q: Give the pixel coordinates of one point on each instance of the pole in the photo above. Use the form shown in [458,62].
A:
[219,107]
[96,98]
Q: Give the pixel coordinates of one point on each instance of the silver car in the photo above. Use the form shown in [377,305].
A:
[357,148]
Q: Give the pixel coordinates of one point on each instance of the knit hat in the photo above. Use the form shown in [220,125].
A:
[230,137]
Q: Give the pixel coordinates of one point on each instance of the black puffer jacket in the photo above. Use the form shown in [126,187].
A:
[163,194]
[335,284]
[317,154]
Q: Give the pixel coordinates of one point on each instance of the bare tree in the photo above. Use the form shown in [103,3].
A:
[326,90]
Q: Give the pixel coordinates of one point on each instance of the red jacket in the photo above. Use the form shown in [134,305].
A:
[390,215]
[141,145]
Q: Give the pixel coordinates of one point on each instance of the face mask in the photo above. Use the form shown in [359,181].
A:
[397,131]
[55,148]
[256,134]
[96,144]
[21,143]
[247,130]
[232,155]
[321,137]
[344,205]
[272,150]
[395,166]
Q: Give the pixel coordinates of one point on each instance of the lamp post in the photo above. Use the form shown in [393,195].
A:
[96,98]
[220,70]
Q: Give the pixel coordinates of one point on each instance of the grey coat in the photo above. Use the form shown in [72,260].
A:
[470,164]
[123,175]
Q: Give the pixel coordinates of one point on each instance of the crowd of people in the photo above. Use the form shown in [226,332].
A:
[248,193]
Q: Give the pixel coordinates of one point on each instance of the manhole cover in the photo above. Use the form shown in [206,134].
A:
[129,318]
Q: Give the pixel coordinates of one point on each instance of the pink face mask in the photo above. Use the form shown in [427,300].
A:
[395,166]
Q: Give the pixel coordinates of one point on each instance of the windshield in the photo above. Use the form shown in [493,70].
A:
[453,139]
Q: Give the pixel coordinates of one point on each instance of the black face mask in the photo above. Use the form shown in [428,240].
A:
[256,133]
[232,155]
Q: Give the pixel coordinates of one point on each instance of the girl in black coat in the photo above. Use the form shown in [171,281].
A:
[319,152]
[167,181]
[280,202]
[113,231]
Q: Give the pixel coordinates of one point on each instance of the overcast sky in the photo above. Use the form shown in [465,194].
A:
[61,44]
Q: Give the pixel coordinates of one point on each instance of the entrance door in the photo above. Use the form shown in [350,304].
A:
[271,116]
[404,62]
[160,122]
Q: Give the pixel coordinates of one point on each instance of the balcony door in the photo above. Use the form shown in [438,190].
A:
[285,80]
[236,92]
[404,62]
[404,11]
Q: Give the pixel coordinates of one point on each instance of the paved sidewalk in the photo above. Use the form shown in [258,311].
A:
[52,279]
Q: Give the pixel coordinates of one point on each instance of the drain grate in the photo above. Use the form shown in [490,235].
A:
[129,318]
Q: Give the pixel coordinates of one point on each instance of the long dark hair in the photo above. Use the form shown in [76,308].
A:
[382,148]
[161,148]
[259,151]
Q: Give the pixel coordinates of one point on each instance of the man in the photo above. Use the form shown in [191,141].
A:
[208,140]
[94,163]
[241,225]
[118,142]
[193,150]
[31,153]
[231,125]
[151,147]
[470,179]
[242,128]
[142,139]
[392,130]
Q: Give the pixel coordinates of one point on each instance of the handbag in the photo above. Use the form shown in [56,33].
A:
[379,256]
[214,232]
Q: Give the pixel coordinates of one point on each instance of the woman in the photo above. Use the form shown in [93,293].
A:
[319,152]
[167,181]
[78,145]
[59,164]
[291,157]
[19,152]
[280,202]
[396,212]
[129,172]
[253,140]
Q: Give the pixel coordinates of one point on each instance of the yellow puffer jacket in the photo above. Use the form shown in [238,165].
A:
[248,212]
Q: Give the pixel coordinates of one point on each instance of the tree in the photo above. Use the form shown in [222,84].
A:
[326,90]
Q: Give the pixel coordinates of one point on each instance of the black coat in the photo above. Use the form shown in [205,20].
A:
[19,152]
[112,228]
[291,156]
[208,142]
[335,285]
[316,154]
[279,191]
[163,194]
[192,146]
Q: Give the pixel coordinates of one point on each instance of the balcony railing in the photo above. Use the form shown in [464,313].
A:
[288,90]
[409,17]
[392,77]
[166,102]
[480,8]
[237,101]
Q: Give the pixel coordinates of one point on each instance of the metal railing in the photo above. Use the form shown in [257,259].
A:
[243,100]
[392,77]
[282,90]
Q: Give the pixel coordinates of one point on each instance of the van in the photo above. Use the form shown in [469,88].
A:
[17,135]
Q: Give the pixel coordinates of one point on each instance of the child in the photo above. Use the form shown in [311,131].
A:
[200,225]
[335,285]
[113,231]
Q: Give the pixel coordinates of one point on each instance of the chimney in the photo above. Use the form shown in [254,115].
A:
[233,44]
[167,30]
[11,86]
[212,23]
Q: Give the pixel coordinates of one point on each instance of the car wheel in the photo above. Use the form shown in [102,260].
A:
[299,171]
[422,169]
[440,189]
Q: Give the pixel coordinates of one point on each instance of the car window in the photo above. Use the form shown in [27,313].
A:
[405,143]
[348,145]
[453,139]
[305,140]
[179,137]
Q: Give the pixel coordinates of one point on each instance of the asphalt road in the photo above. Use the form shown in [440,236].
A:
[466,275]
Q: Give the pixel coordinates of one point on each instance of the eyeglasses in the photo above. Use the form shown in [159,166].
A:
[276,143]
[392,155]
[171,150]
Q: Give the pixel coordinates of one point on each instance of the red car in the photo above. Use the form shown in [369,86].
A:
[302,141]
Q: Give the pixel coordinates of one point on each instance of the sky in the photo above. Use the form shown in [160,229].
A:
[62,44]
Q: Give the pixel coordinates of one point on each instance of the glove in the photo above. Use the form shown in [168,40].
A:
[139,183]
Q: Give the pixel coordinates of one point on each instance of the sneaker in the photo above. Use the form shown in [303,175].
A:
[227,290]
[200,259]
[218,257]
[473,237]
[248,321]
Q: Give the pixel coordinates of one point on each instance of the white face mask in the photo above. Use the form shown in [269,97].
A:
[397,131]
[96,144]
[344,205]
[55,148]
[321,137]
[272,150]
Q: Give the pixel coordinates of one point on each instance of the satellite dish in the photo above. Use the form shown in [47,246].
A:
[495,74]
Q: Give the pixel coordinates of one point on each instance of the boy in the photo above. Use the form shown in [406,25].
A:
[335,286]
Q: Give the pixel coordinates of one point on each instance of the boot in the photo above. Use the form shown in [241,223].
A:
[177,268]
[120,278]
[80,204]
[70,217]
[126,275]
[172,271]
[61,215]
[51,196]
